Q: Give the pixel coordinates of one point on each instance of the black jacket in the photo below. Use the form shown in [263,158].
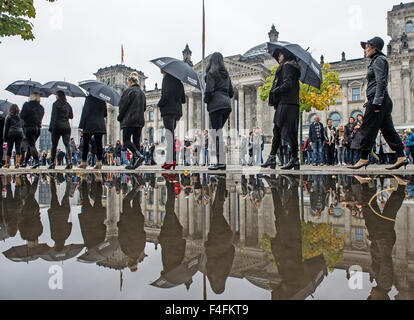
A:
[285,89]
[61,114]
[377,79]
[219,92]
[172,97]
[132,107]
[312,133]
[12,126]
[93,116]
[32,114]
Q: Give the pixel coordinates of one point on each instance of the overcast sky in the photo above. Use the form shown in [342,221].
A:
[74,38]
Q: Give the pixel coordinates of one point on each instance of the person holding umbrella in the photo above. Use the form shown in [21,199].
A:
[379,107]
[131,116]
[284,97]
[13,135]
[32,115]
[60,127]
[93,125]
[217,96]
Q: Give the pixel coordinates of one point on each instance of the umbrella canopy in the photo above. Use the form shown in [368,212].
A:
[68,252]
[311,69]
[24,253]
[4,107]
[101,91]
[100,252]
[69,89]
[178,69]
[26,87]
[183,273]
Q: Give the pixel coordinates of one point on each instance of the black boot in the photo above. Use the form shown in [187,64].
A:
[271,162]
[139,160]
[293,164]
[218,166]
[35,165]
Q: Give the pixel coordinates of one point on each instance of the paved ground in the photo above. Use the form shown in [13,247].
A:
[375,169]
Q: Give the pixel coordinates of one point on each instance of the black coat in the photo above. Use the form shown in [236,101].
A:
[132,107]
[312,133]
[285,89]
[377,79]
[32,114]
[61,114]
[12,126]
[93,116]
[219,92]
[172,97]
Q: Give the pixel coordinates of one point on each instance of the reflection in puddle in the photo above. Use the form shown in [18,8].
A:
[215,236]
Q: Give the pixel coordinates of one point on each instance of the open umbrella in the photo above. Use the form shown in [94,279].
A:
[24,253]
[67,253]
[101,91]
[26,87]
[69,89]
[178,69]
[181,274]
[311,70]
[101,251]
[4,107]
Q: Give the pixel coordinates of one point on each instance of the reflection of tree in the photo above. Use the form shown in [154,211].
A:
[317,239]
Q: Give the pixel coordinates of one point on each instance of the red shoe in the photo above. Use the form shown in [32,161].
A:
[178,188]
[168,166]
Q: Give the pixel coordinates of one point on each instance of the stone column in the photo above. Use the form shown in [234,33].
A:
[346,113]
[191,110]
[243,116]
[406,74]
[156,206]
[156,125]
[397,92]
[233,195]
[113,208]
[242,219]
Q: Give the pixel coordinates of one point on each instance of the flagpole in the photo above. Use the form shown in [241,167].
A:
[203,76]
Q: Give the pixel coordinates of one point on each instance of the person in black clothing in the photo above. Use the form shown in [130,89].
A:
[2,119]
[170,104]
[284,97]
[218,95]
[118,152]
[379,107]
[13,135]
[32,114]
[60,127]
[12,206]
[349,129]
[93,126]
[131,116]
[60,156]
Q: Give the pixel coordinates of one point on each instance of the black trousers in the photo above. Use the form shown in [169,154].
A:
[32,134]
[135,134]
[330,154]
[291,138]
[14,139]
[86,141]
[373,122]
[56,135]
[170,124]
[218,119]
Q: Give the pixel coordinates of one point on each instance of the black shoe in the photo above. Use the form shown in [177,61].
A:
[139,160]
[271,162]
[52,167]
[23,165]
[35,165]
[69,167]
[293,164]
[400,164]
[218,167]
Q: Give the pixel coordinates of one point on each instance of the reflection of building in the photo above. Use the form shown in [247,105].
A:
[44,143]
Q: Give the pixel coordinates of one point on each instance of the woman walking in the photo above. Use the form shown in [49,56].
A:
[131,116]
[218,95]
[60,127]
[13,135]
[170,104]
[93,126]
[378,108]
[284,97]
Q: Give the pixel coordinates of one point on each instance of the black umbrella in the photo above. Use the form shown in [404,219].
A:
[101,91]
[26,87]
[4,107]
[68,252]
[178,69]
[311,69]
[69,89]
[181,274]
[24,253]
[100,252]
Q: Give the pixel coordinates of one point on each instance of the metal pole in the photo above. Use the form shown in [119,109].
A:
[203,76]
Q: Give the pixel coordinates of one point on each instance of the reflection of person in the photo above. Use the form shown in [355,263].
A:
[60,228]
[12,206]
[219,246]
[92,218]
[132,236]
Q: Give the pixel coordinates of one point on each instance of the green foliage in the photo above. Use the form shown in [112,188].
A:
[14,15]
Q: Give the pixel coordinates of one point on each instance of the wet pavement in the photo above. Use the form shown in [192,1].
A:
[197,236]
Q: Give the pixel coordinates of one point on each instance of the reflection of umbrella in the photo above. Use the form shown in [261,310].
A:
[311,70]
[178,69]
[69,89]
[26,87]
[100,252]
[24,253]
[4,107]
[67,253]
[101,91]
[182,274]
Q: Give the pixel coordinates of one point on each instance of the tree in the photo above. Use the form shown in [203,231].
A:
[311,98]
[14,15]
